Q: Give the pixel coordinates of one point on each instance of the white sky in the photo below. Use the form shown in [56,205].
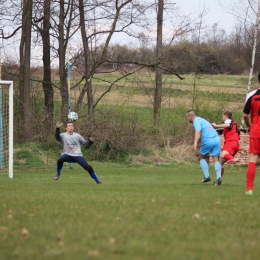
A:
[216,14]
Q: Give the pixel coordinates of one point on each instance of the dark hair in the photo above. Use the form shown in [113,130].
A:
[258,77]
[228,114]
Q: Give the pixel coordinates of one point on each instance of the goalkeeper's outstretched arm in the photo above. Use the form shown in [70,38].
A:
[57,132]
[87,143]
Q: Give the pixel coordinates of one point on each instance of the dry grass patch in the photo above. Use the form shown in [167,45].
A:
[180,153]
[141,159]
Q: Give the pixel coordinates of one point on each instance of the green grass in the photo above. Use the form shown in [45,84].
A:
[177,93]
[138,212]
[236,81]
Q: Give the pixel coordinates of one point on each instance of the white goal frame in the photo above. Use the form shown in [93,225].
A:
[11,127]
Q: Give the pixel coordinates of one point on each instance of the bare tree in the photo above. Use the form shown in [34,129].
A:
[24,75]
[87,64]
[43,25]
[116,17]
[246,12]
[158,71]
[63,42]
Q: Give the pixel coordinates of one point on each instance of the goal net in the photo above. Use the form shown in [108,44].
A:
[6,128]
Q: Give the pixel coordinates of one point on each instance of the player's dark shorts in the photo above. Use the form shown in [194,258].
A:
[231,147]
[254,146]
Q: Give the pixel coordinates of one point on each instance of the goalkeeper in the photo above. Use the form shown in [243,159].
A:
[71,150]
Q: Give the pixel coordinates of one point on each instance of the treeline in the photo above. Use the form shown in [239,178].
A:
[218,53]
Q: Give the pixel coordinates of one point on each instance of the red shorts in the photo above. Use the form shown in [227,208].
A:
[254,145]
[231,147]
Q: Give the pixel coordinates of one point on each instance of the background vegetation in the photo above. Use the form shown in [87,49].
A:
[124,127]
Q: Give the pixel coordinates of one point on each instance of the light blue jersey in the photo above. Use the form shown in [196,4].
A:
[210,142]
[205,127]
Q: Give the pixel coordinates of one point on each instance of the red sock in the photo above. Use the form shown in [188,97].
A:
[228,157]
[250,175]
[222,171]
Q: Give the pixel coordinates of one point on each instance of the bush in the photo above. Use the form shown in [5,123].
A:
[25,157]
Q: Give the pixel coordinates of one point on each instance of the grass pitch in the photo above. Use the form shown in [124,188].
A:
[138,212]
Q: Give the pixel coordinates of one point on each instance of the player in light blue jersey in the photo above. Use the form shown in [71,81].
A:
[210,143]
[71,150]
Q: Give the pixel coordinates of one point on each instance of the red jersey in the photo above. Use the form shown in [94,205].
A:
[231,133]
[252,107]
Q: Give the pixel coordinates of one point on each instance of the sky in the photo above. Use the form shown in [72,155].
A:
[216,14]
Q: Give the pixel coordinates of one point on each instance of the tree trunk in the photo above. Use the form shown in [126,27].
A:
[62,63]
[24,73]
[158,71]
[47,84]
[91,65]
[88,85]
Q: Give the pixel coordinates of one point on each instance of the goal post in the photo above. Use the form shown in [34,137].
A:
[6,128]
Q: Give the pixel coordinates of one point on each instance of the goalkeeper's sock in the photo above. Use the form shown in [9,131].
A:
[205,167]
[94,176]
[217,167]
[228,157]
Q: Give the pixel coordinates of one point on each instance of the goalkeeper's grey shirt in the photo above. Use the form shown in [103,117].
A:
[71,143]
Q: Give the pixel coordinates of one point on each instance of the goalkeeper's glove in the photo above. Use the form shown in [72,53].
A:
[91,140]
[58,124]
[88,143]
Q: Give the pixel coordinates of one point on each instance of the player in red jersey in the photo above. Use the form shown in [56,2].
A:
[252,107]
[231,136]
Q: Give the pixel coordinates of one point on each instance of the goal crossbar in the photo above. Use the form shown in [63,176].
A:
[11,127]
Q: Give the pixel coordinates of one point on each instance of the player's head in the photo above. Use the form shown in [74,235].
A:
[69,127]
[227,115]
[190,115]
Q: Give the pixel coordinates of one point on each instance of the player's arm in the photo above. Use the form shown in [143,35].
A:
[196,139]
[247,121]
[221,125]
[246,112]
[57,132]
[86,143]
